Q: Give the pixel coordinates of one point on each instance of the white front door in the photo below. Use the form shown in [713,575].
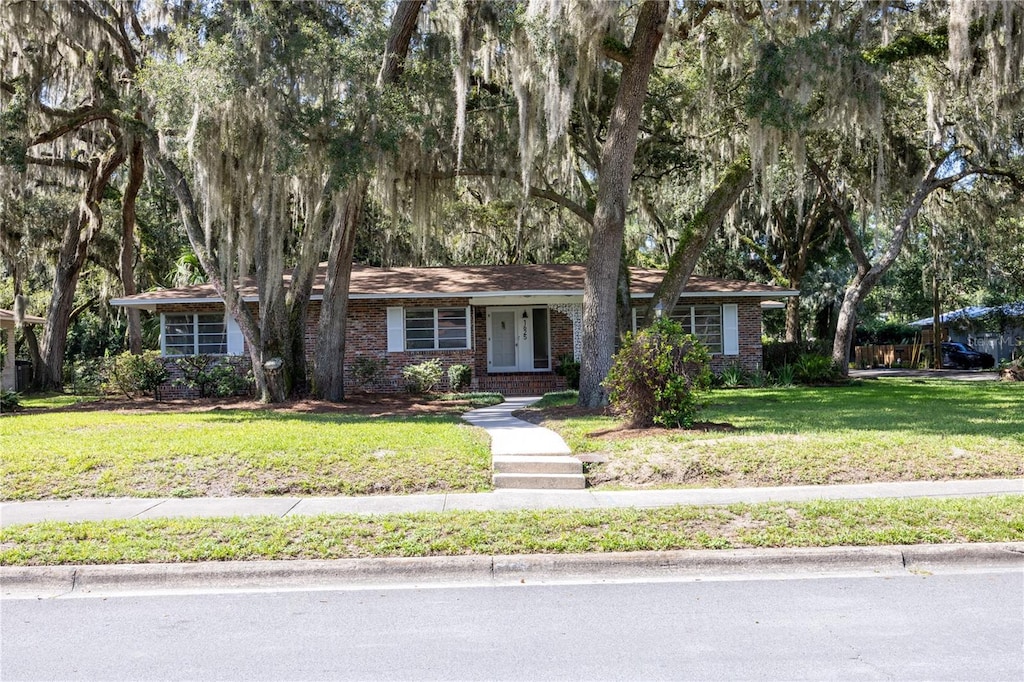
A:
[510,346]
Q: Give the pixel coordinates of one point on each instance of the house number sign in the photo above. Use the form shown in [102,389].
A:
[525,321]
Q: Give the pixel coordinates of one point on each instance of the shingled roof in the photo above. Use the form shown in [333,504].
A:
[470,281]
[8,316]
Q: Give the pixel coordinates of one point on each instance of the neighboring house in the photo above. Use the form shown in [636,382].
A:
[997,330]
[511,323]
[8,375]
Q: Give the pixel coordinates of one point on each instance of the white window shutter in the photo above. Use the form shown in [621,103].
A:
[163,334]
[236,342]
[396,330]
[469,328]
[633,314]
[730,329]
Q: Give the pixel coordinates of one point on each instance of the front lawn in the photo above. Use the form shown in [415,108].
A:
[221,452]
[810,524]
[879,430]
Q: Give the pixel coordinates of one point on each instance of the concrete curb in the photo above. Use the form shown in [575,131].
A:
[98,580]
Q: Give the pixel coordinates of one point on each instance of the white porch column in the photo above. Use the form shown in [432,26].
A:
[7,377]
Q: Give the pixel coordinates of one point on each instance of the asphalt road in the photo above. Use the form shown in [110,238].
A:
[949,626]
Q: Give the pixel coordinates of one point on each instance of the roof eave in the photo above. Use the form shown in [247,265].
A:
[727,294]
[151,303]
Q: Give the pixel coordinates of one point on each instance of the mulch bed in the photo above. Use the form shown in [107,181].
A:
[373,405]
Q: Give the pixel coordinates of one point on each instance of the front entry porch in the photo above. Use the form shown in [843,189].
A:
[522,383]
[519,351]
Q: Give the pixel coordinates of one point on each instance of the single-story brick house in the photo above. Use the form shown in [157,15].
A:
[511,323]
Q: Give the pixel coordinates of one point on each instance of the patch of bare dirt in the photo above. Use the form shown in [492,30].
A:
[621,431]
[624,432]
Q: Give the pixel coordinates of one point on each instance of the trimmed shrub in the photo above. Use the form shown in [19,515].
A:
[85,377]
[569,368]
[133,374]
[659,376]
[9,401]
[422,378]
[214,377]
[459,377]
[812,368]
[777,354]
[366,370]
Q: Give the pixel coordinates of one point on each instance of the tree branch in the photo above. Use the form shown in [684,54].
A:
[563,201]
[118,37]
[615,50]
[852,240]
[76,118]
[55,162]
[402,26]
[534,192]
[682,32]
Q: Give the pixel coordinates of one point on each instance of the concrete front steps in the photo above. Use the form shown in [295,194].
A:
[538,472]
[525,455]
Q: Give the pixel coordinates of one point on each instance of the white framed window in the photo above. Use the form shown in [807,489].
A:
[193,334]
[428,329]
[704,322]
[713,325]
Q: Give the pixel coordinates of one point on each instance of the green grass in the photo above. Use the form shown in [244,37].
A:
[884,430]
[556,399]
[826,523]
[52,401]
[236,452]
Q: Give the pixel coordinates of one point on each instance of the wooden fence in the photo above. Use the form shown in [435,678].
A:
[892,355]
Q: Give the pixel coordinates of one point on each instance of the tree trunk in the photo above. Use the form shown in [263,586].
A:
[868,275]
[32,342]
[299,293]
[136,174]
[329,365]
[695,236]
[793,314]
[82,227]
[275,347]
[616,169]
[329,355]
[178,186]
[846,325]
[936,321]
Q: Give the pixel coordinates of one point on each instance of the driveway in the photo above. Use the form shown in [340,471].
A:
[954,374]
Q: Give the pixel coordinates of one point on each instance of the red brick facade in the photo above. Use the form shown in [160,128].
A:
[367,337]
[367,333]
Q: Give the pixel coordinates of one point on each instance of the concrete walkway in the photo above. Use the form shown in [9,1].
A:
[511,436]
[526,456]
[96,509]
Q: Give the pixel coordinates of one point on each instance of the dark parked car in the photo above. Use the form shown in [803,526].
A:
[961,356]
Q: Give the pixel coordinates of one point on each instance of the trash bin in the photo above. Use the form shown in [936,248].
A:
[22,375]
